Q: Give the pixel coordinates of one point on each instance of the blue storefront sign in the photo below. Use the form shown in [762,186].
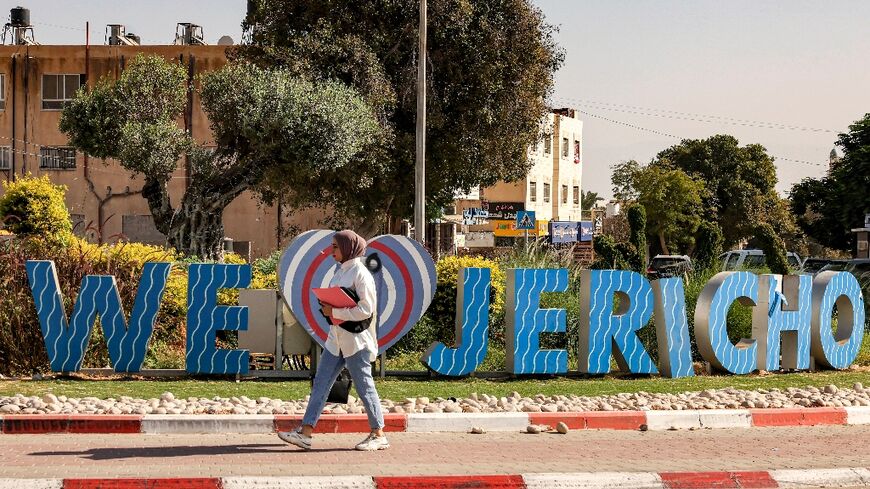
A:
[586,228]
[564,231]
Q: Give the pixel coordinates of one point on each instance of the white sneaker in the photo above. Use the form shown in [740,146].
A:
[373,442]
[296,438]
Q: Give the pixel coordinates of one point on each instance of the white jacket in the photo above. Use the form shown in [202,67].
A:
[353,274]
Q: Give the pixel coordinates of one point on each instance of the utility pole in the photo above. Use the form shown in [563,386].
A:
[420,171]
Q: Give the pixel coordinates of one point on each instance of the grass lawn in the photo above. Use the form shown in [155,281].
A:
[399,389]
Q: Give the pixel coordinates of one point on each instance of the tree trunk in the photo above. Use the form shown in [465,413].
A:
[663,244]
[195,228]
[369,227]
[199,230]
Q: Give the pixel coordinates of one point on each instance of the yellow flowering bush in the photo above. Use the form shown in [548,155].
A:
[35,207]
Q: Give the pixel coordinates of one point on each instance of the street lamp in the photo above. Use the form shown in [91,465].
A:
[420,168]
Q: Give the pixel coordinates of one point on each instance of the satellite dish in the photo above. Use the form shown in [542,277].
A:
[225,41]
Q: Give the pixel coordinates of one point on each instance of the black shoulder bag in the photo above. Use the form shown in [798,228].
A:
[352,326]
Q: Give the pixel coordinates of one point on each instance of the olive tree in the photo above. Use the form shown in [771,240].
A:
[265,123]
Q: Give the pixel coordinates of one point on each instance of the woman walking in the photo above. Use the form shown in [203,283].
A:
[355,350]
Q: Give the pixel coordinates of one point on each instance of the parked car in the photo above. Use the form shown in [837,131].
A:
[859,267]
[742,259]
[663,266]
[815,265]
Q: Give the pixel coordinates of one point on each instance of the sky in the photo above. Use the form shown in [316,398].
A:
[788,74]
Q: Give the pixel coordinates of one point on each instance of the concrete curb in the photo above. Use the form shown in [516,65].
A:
[440,422]
[846,477]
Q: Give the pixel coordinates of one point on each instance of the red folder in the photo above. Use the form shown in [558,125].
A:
[336,298]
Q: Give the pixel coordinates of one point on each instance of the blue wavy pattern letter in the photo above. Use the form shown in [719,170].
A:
[472,325]
[205,318]
[711,322]
[66,342]
[600,327]
[672,328]
[837,350]
[781,321]
[525,321]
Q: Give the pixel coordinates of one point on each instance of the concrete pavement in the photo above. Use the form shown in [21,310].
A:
[435,454]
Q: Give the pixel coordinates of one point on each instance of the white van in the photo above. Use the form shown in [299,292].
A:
[741,259]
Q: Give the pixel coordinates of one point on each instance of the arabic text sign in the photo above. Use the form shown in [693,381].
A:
[504,210]
[564,231]
[508,229]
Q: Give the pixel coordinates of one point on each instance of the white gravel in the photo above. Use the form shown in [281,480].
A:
[167,403]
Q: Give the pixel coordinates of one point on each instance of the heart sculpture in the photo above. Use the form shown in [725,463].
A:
[404,276]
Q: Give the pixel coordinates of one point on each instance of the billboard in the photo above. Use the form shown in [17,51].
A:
[564,231]
[570,231]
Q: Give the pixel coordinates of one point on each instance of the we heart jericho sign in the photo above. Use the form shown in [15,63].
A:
[405,282]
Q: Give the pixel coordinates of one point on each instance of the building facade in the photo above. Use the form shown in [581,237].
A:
[552,187]
[104,199]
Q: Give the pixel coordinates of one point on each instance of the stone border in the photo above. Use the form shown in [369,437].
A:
[847,477]
[441,422]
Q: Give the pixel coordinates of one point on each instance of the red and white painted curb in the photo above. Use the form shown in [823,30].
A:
[849,477]
[446,422]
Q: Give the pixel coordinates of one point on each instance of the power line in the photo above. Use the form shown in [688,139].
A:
[689,116]
[660,133]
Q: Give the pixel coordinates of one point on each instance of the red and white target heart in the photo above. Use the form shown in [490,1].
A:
[405,282]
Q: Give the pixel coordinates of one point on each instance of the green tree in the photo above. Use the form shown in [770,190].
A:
[829,208]
[35,207]
[672,199]
[708,246]
[588,200]
[740,181]
[636,215]
[774,249]
[491,66]
[264,122]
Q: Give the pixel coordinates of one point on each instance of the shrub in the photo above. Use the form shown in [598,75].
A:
[265,271]
[636,215]
[774,249]
[708,245]
[35,207]
[608,254]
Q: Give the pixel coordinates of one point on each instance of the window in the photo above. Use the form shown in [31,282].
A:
[576,151]
[57,158]
[548,144]
[565,148]
[533,191]
[546,192]
[535,147]
[564,194]
[754,261]
[5,157]
[57,90]
[731,264]
[576,195]
[2,91]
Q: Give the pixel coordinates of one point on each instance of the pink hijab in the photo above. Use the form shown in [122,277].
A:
[352,245]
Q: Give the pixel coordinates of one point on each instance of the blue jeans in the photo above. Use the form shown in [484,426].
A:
[360,371]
